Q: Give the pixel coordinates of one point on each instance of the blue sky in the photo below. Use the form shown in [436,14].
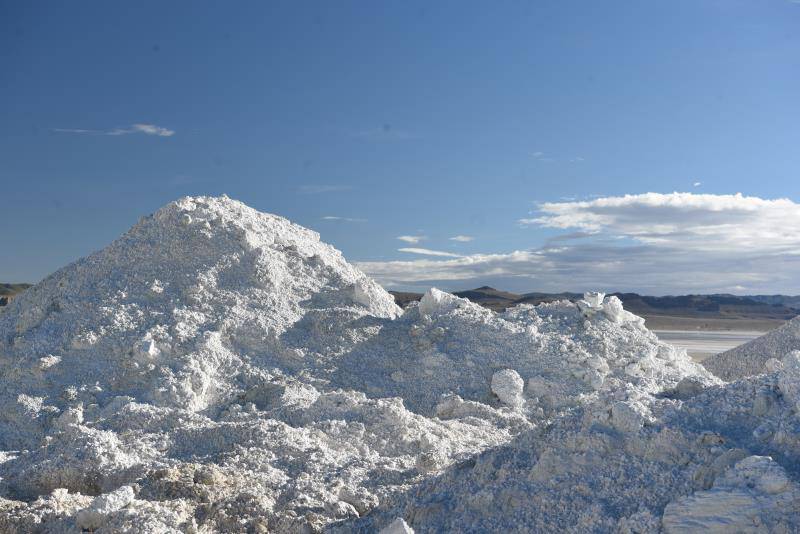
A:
[416,119]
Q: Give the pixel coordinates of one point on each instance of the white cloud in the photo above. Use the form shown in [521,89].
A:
[413,239]
[697,184]
[318,189]
[342,219]
[540,156]
[476,266]
[147,129]
[652,243]
[462,238]
[429,252]
[683,220]
[77,131]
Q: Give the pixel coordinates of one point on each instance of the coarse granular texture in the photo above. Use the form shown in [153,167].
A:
[217,369]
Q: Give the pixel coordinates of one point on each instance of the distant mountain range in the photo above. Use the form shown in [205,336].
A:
[719,306]
[783,300]
[765,310]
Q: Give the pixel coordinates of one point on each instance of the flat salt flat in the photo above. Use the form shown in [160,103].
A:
[703,344]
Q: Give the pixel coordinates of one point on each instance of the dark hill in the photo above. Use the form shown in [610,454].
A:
[9,291]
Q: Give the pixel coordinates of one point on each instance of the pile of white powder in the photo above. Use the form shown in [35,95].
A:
[217,369]
[752,357]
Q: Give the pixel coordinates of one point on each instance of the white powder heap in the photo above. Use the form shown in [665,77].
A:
[725,459]
[217,369]
[447,345]
[750,359]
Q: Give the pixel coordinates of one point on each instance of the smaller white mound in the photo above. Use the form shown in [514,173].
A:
[541,359]
[750,359]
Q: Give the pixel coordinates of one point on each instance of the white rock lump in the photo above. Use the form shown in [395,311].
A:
[217,369]
[508,386]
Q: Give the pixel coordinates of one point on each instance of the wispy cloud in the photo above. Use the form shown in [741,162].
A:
[541,156]
[429,252]
[697,184]
[462,238]
[343,219]
[652,242]
[318,189]
[76,131]
[413,239]
[138,128]
[386,132]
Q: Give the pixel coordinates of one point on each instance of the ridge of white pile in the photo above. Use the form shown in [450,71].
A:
[750,358]
[218,369]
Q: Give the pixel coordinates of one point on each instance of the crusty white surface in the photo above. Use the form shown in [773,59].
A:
[217,369]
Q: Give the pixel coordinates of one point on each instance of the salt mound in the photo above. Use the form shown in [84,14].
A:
[750,359]
[181,309]
[217,369]
[448,348]
[724,460]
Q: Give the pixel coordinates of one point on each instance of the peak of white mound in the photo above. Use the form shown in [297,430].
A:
[436,302]
[174,311]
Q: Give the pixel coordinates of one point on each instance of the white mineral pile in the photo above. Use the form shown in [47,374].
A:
[538,360]
[217,369]
[752,358]
[717,459]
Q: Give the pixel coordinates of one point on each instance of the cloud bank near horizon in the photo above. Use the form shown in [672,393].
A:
[651,242]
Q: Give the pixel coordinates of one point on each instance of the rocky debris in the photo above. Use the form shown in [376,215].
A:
[97,513]
[752,496]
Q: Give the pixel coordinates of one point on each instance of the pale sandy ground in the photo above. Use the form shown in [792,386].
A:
[702,344]
[704,337]
[712,324]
